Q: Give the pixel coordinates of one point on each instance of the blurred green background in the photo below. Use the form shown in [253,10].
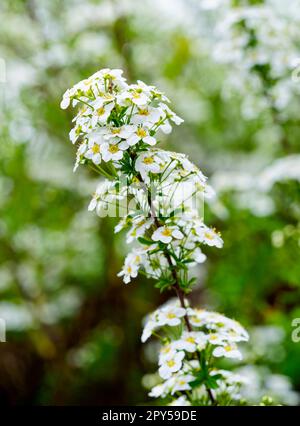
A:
[73,327]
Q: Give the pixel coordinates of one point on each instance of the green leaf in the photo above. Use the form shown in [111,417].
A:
[145,241]
[211,382]
[163,284]
[200,379]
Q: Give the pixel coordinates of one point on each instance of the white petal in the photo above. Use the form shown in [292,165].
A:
[177,234]
[150,140]
[65,103]
[92,205]
[166,128]
[133,140]
[218,352]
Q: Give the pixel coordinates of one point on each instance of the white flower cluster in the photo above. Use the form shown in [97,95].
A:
[115,116]
[180,237]
[260,42]
[183,358]
[116,129]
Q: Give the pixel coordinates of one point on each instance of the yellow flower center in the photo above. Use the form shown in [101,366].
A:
[228,348]
[190,340]
[171,315]
[166,232]
[113,149]
[171,363]
[148,160]
[141,133]
[208,235]
[96,149]
[143,112]
[115,131]
[100,111]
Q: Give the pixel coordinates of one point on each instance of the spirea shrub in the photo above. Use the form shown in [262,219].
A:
[159,196]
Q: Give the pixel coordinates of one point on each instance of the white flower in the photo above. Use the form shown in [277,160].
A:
[209,236]
[157,391]
[217,339]
[105,194]
[165,234]
[114,74]
[75,133]
[182,401]
[113,150]
[67,98]
[167,314]
[134,258]
[166,127]
[166,351]
[142,133]
[230,377]
[228,351]
[101,111]
[181,383]
[235,332]
[93,152]
[150,326]
[230,328]
[123,132]
[139,225]
[148,162]
[80,154]
[128,272]
[131,266]
[170,315]
[134,94]
[171,364]
[198,256]
[156,265]
[96,84]
[196,317]
[163,389]
[232,335]
[147,116]
[221,329]
[190,341]
[123,223]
